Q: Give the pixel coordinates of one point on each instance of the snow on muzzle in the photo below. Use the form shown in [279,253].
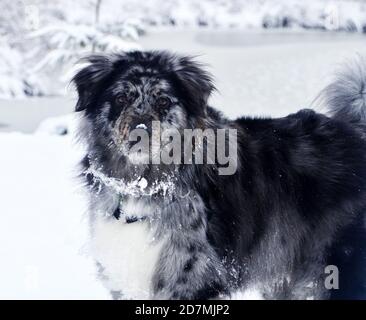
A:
[123,128]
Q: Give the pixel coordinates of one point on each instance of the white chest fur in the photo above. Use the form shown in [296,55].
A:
[127,252]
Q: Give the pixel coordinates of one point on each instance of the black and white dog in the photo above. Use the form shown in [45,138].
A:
[185,231]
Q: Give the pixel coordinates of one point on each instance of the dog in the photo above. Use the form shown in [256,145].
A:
[183,230]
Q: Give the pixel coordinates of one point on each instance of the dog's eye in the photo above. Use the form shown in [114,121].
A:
[163,102]
[121,99]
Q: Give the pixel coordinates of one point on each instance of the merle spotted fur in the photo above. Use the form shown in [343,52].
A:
[274,224]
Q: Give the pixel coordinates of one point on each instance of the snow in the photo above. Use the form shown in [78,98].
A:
[134,188]
[60,125]
[246,14]
[251,293]
[68,43]
[141,126]
[43,229]
[14,80]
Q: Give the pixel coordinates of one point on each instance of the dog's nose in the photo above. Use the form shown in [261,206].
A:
[141,109]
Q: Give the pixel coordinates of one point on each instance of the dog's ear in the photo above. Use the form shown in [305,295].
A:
[196,81]
[88,78]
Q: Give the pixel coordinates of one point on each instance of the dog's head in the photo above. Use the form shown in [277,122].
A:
[118,93]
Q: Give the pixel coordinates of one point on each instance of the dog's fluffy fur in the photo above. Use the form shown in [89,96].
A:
[274,224]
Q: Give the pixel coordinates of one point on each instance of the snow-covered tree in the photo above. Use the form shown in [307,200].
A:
[63,43]
[40,41]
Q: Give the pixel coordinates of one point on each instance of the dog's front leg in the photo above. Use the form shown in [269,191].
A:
[189,267]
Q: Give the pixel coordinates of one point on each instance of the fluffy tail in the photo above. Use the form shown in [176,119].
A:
[345,98]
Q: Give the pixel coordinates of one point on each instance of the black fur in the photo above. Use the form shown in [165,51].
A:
[300,184]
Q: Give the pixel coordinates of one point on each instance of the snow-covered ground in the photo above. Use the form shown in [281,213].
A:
[43,228]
